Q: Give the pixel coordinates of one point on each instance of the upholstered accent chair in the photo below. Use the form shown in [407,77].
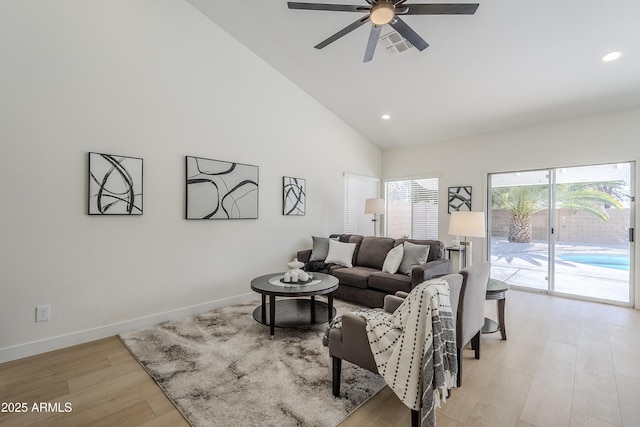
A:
[470,318]
[350,342]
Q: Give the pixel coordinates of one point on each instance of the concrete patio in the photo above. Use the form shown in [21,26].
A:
[525,265]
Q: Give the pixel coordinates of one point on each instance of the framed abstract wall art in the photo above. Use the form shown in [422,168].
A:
[115,185]
[459,199]
[294,196]
[221,190]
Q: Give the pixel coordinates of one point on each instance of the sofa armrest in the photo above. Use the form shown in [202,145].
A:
[304,255]
[392,302]
[429,270]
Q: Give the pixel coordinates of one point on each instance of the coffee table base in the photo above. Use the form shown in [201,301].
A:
[294,313]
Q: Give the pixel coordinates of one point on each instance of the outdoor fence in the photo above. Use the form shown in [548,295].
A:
[571,226]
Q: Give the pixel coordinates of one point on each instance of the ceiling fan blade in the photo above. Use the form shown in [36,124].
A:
[346,30]
[400,26]
[374,35]
[330,7]
[440,9]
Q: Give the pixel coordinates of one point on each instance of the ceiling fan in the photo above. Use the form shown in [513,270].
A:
[382,12]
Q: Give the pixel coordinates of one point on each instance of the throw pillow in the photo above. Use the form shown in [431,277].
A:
[320,248]
[393,260]
[413,255]
[340,253]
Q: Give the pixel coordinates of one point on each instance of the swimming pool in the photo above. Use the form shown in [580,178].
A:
[618,262]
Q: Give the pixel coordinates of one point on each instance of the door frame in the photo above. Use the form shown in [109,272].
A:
[552,233]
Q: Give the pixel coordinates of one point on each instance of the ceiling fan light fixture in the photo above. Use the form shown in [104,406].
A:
[382,13]
[386,12]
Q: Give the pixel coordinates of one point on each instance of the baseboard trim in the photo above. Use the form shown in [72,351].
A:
[20,351]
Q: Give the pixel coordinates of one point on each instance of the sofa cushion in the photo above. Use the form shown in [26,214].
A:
[349,238]
[413,255]
[331,268]
[356,276]
[320,248]
[436,247]
[389,283]
[340,253]
[373,251]
[393,260]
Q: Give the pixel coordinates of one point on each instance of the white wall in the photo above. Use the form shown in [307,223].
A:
[152,79]
[605,138]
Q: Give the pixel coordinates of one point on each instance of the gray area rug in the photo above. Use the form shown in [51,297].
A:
[221,369]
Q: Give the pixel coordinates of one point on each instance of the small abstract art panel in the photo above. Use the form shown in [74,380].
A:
[294,196]
[221,190]
[459,199]
[115,185]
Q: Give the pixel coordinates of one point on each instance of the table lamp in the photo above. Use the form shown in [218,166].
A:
[467,224]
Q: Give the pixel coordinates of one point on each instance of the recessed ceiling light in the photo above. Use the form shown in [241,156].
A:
[386,117]
[611,56]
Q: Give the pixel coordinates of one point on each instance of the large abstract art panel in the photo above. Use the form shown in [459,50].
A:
[221,190]
[459,199]
[294,197]
[115,185]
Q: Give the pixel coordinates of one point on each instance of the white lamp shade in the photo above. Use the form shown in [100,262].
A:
[468,224]
[374,206]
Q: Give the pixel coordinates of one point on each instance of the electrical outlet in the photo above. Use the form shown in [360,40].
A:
[43,313]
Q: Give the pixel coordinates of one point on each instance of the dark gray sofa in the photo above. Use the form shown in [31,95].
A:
[365,283]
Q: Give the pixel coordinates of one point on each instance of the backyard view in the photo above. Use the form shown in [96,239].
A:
[563,230]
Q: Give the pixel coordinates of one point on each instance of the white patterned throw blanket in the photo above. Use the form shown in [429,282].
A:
[415,348]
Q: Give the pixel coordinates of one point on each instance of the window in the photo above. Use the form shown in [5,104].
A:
[357,189]
[412,208]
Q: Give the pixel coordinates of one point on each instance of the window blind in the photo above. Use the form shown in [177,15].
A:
[412,208]
[357,189]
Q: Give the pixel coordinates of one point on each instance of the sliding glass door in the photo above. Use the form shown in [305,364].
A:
[591,239]
[564,230]
[519,223]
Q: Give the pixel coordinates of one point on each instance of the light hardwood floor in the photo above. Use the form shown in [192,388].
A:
[101,380]
[565,363]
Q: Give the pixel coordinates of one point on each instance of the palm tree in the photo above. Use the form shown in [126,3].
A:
[524,201]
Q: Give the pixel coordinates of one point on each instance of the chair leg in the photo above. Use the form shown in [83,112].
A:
[337,368]
[459,378]
[415,418]
[475,344]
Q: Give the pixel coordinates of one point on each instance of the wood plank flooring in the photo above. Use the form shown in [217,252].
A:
[565,363]
[94,384]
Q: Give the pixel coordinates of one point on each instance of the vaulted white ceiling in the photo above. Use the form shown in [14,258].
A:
[511,64]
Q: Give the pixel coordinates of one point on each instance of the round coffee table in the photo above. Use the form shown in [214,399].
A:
[496,290]
[294,312]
